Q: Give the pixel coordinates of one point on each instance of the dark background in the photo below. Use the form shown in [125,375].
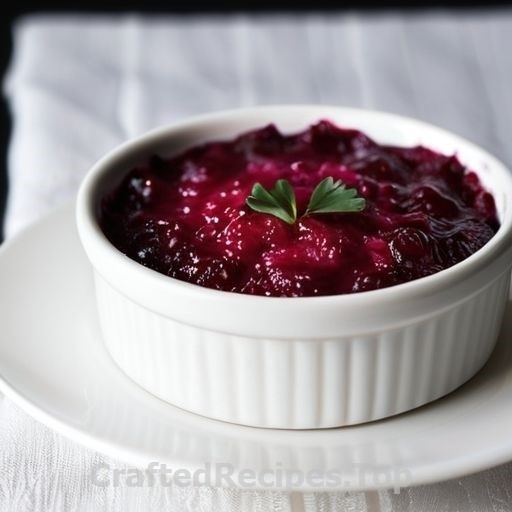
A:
[9,14]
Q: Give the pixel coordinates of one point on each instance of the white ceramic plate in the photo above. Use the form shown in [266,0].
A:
[53,364]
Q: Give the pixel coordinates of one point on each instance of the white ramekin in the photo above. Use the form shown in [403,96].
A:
[298,363]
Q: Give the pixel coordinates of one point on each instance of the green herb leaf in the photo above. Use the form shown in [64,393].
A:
[329,196]
[279,201]
[332,196]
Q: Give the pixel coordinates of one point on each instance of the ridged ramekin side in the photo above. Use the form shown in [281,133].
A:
[316,383]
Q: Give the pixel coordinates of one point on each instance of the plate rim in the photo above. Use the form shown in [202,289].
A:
[467,464]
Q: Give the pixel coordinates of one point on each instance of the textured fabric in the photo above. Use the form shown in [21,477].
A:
[78,87]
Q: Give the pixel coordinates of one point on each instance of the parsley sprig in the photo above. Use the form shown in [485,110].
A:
[329,196]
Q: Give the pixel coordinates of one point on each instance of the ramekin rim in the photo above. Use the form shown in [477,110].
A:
[89,226]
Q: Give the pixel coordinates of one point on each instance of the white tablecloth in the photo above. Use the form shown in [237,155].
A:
[79,86]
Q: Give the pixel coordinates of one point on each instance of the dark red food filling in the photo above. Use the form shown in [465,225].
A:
[186,216]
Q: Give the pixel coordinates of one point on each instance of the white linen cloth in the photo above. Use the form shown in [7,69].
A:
[78,86]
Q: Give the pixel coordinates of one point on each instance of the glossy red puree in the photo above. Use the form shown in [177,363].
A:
[186,216]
